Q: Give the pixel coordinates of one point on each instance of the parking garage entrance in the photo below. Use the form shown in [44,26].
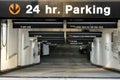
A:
[58,48]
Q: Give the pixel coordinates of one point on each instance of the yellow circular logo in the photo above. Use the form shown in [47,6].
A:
[14,9]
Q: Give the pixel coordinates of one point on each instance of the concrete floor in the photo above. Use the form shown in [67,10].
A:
[64,62]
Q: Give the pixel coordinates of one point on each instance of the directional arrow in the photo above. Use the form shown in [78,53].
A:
[14,9]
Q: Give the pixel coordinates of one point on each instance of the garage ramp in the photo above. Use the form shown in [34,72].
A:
[64,61]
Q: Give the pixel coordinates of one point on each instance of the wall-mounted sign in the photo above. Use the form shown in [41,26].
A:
[46,34]
[51,40]
[58,9]
[28,25]
[83,34]
[91,25]
[76,40]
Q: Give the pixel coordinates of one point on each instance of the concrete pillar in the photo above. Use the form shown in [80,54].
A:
[45,49]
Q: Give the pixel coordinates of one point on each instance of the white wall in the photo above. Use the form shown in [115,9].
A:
[24,48]
[102,53]
[115,60]
[28,49]
[35,57]
[95,54]
[18,49]
[10,51]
